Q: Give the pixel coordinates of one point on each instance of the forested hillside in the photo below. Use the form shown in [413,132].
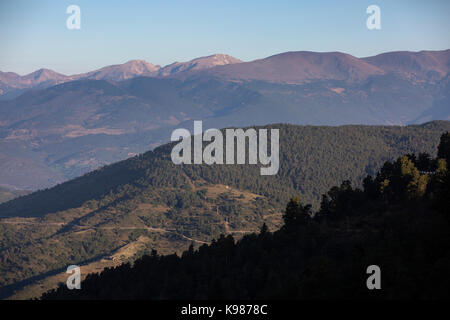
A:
[312,159]
[398,220]
[149,200]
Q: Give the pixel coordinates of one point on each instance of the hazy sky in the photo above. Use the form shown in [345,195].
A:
[34,33]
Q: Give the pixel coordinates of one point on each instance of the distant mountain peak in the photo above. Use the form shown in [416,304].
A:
[200,63]
[40,72]
[44,74]
[117,72]
[218,59]
[141,63]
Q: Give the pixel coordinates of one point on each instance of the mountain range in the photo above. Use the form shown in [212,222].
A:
[55,127]
[290,67]
[12,84]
